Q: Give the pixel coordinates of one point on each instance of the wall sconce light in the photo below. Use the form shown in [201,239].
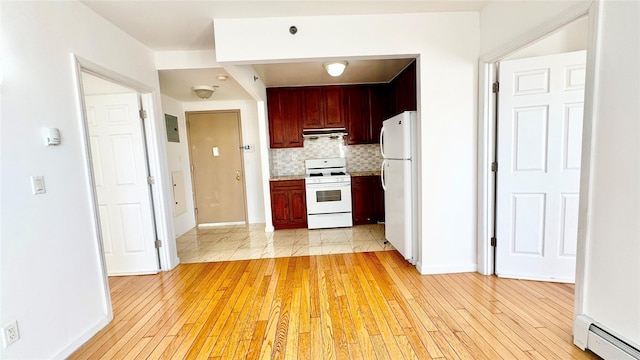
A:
[204,91]
[336,69]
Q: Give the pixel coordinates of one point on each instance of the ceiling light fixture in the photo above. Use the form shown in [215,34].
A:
[222,77]
[204,91]
[335,68]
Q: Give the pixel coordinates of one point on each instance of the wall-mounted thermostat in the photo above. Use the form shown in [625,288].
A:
[51,136]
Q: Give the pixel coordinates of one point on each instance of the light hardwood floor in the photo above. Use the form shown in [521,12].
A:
[370,305]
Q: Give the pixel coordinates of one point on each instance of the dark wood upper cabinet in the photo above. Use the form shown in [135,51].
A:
[365,107]
[322,107]
[379,96]
[404,90]
[357,114]
[360,109]
[285,111]
[333,116]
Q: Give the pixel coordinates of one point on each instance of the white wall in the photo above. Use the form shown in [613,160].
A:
[504,21]
[250,136]
[572,37]
[446,45]
[608,288]
[51,280]
[178,160]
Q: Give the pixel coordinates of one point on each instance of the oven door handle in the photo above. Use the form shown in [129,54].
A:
[329,186]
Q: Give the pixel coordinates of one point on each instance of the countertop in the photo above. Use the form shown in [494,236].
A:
[288,177]
[301,177]
[365,173]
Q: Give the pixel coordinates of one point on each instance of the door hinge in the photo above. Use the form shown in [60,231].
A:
[143,114]
[158,244]
[495,87]
[188,123]
[151,180]
[191,168]
[494,166]
[493,241]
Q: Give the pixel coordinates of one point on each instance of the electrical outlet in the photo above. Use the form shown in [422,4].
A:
[10,334]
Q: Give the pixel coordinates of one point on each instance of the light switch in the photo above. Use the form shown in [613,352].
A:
[216,152]
[37,185]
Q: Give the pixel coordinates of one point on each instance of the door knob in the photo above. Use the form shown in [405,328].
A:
[238,175]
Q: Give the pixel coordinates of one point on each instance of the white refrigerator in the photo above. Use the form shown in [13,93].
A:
[400,182]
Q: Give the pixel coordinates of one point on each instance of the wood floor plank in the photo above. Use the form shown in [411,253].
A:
[256,342]
[340,306]
[304,345]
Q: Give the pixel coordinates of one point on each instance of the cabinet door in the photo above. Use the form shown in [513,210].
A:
[277,124]
[357,115]
[363,197]
[288,204]
[312,108]
[279,207]
[378,107]
[332,97]
[298,207]
[405,90]
[292,111]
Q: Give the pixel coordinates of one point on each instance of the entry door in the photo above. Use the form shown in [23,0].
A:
[540,105]
[216,160]
[120,171]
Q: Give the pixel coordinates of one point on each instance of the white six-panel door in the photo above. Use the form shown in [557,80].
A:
[540,105]
[120,172]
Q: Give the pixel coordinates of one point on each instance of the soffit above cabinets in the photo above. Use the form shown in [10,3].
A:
[313,73]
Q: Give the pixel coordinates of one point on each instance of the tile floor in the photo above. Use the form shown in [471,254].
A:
[251,242]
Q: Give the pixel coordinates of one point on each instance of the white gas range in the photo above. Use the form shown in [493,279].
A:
[328,188]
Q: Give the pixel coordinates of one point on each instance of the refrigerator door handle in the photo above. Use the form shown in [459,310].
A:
[382,142]
[384,186]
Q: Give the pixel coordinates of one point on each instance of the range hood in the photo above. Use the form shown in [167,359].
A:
[333,133]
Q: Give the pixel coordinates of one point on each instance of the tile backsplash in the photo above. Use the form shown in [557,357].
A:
[285,162]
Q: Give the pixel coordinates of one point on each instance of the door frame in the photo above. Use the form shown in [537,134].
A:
[242,165]
[150,191]
[154,147]
[487,140]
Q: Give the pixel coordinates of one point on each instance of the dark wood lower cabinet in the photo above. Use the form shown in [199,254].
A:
[288,204]
[367,198]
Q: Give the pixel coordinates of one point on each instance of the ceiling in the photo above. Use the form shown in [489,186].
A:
[177,83]
[188,25]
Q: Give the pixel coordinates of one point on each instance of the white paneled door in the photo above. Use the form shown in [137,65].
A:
[120,172]
[540,106]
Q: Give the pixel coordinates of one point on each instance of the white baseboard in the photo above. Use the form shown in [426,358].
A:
[446,269]
[76,344]
[212,225]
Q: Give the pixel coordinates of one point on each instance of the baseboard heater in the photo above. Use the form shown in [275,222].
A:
[590,335]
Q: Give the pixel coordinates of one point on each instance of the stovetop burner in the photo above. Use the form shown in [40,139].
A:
[326,170]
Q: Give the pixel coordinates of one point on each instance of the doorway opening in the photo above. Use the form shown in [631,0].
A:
[569,34]
[217,167]
[115,129]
